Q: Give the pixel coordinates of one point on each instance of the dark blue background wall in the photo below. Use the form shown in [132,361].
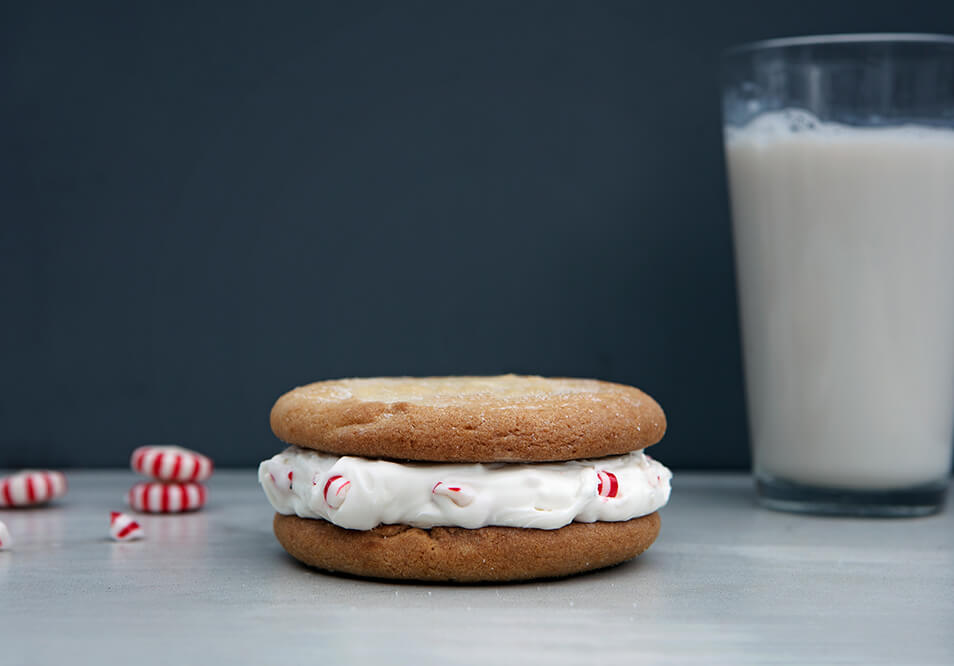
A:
[205,206]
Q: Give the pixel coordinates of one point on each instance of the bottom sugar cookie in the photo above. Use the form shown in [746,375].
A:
[486,554]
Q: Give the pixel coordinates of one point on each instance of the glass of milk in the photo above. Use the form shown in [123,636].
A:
[840,158]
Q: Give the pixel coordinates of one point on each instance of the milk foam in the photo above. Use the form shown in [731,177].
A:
[796,124]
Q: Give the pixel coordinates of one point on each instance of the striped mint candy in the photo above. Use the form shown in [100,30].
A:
[5,540]
[155,497]
[457,493]
[31,487]
[335,491]
[171,463]
[123,528]
[607,484]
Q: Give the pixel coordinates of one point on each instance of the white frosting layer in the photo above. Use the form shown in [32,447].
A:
[359,494]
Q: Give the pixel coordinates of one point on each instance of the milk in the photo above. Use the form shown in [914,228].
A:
[844,243]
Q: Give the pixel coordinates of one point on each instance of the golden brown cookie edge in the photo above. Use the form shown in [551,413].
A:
[617,420]
[455,554]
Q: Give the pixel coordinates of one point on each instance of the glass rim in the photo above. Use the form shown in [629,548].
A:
[841,38]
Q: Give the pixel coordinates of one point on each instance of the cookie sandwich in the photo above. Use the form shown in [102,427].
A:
[465,479]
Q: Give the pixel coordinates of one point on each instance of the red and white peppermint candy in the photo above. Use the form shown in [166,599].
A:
[607,484]
[336,489]
[5,540]
[171,463]
[155,497]
[123,528]
[458,494]
[31,487]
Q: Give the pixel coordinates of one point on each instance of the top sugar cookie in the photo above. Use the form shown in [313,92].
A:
[509,418]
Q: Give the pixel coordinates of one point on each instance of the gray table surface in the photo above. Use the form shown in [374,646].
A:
[726,582]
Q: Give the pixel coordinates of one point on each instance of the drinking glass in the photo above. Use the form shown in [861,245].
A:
[840,160]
